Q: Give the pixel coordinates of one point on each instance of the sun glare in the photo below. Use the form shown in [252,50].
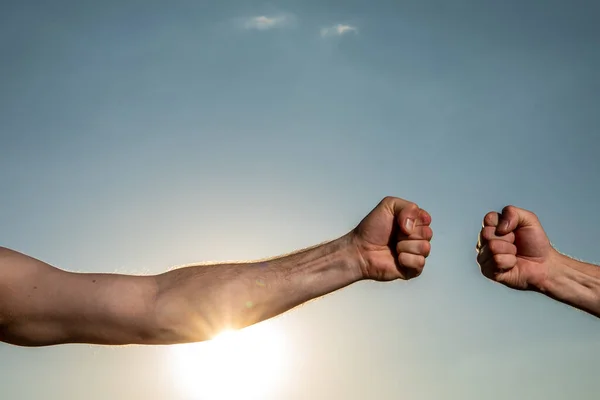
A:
[245,364]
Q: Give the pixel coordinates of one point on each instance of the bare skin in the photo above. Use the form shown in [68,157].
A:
[42,305]
[514,250]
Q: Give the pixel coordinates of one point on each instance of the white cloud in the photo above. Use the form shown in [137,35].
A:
[338,30]
[262,23]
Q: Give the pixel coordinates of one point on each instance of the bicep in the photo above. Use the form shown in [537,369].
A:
[43,305]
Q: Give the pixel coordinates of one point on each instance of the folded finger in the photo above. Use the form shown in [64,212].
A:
[491,219]
[418,247]
[498,246]
[488,233]
[504,261]
[423,232]
[412,261]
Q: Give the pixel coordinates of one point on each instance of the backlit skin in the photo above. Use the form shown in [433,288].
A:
[513,249]
[43,305]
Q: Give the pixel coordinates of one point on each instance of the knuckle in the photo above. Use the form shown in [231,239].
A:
[415,270]
[427,233]
[509,209]
[388,199]
[411,206]
[487,271]
[391,200]
[425,248]
[417,262]
[423,232]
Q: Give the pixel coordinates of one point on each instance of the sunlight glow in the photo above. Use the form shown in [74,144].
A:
[245,364]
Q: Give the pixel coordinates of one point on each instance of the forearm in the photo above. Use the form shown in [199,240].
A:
[195,303]
[574,283]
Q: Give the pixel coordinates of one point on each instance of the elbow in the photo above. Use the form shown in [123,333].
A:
[175,322]
[9,334]
[14,333]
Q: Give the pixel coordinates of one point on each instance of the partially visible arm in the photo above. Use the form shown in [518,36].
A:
[573,282]
[195,303]
[513,249]
[42,305]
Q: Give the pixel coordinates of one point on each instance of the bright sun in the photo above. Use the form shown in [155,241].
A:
[243,364]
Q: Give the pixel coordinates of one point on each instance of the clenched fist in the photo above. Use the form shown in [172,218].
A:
[513,249]
[393,240]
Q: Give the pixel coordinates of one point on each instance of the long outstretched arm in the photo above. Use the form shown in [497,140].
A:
[43,305]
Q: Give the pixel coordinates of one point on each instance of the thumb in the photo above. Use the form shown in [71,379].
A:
[407,217]
[512,218]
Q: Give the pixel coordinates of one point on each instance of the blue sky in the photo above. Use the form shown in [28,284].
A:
[138,135]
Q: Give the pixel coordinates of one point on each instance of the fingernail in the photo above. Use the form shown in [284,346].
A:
[409,225]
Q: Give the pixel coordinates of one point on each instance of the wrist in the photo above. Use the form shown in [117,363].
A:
[556,268]
[353,257]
